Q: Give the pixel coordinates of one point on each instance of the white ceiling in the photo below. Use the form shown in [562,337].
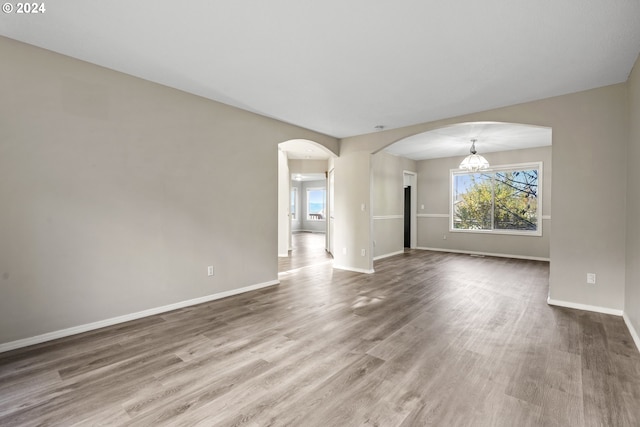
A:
[343,67]
[455,140]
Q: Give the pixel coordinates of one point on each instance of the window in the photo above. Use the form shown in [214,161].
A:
[294,203]
[315,204]
[506,200]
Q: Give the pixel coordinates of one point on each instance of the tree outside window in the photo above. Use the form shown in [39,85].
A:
[503,200]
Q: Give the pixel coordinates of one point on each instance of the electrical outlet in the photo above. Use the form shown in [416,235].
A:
[210,270]
[444,237]
[344,251]
[363,252]
[591,278]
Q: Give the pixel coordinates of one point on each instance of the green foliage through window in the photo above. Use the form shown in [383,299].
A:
[499,200]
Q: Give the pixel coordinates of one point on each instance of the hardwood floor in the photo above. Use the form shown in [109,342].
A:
[307,249]
[429,339]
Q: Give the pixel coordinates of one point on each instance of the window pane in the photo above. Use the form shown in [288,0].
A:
[502,200]
[315,203]
[472,201]
[516,200]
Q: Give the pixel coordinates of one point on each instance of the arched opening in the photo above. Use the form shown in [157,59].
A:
[305,204]
[520,160]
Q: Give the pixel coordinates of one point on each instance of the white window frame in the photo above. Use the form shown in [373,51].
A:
[500,168]
[307,202]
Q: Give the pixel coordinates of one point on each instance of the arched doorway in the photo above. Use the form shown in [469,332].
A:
[305,196]
[434,156]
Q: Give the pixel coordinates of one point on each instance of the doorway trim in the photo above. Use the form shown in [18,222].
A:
[412,178]
[329,205]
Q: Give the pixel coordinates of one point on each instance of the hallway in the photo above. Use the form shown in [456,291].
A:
[307,249]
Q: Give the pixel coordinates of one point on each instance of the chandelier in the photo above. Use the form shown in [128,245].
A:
[474,161]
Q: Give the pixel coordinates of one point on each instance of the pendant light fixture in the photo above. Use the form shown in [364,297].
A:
[474,162]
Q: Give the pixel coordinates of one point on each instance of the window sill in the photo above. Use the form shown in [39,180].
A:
[537,233]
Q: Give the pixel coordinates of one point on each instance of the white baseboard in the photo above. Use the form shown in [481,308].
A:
[357,270]
[632,330]
[456,251]
[388,255]
[585,307]
[283,255]
[128,317]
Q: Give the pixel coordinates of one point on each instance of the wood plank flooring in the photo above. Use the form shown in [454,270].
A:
[307,249]
[429,339]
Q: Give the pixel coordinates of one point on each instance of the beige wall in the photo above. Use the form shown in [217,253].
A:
[632,289]
[590,136]
[352,211]
[117,193]
[434,192]
[388,202]
[308,166]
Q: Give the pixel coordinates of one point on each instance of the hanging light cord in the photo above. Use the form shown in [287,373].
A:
[472,150]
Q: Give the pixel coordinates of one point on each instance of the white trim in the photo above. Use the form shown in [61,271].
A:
[356,270]
[296,203]
[493,169]
[544,217]
[377,217]
[532,258]
[324,203]
[12,345]
[388,255]
[328,238]
[632,330]
[584,307]
[497,232]
[413,209]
